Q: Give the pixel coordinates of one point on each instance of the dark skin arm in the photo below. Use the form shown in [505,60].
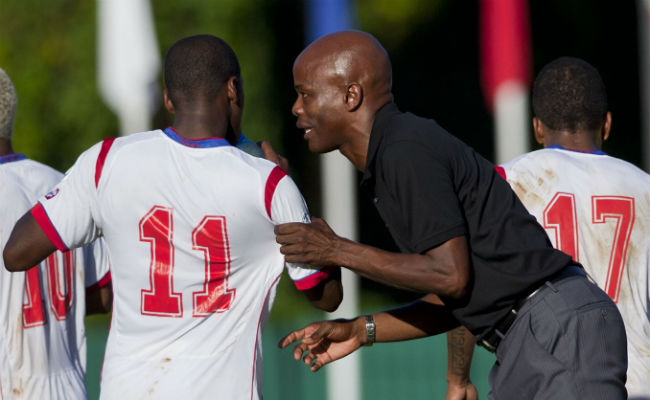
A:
[27,245]
[328,294]
[328,341]
[99,301]
[460,348]
[443,270]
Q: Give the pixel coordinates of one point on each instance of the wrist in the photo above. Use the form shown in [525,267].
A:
[456,380]
[343,252]
[365,330]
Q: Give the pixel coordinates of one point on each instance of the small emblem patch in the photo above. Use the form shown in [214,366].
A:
[52,194]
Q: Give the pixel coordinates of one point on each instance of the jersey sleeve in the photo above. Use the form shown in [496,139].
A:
[67,214]
[96,264]
[285,204]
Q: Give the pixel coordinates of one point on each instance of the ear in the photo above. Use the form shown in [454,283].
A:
[607,126]
[353,96]
[168,102]
[538,129]
[235,91]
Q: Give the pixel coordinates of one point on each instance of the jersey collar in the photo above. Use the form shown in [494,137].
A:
[202,143]
[557,146]
[12,157]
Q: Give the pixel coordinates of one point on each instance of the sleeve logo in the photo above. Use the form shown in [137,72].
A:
[52,194]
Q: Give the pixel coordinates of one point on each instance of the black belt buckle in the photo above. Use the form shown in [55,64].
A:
[490,340]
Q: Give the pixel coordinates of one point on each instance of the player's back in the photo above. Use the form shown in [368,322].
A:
[42,340]
[597,209]
[194,264]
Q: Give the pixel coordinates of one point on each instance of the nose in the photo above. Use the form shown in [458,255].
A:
[297,107]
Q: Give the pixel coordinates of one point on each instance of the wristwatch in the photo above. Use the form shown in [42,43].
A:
[370,330]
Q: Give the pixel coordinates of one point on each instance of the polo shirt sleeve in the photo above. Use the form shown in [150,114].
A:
[288,205]
[66,213]
[423,207]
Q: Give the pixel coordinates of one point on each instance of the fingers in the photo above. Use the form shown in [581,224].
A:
[291,338]
[272,156]
[287,229]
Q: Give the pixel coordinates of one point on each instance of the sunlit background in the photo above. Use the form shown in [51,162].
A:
[51,51]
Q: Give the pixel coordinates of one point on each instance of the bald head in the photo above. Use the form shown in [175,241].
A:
[8,103]
[351,56]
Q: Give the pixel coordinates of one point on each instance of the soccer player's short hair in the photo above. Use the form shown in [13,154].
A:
[8,103]
[197,67]
[569,95]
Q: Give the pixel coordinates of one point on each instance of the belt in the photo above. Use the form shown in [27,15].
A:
[492,337]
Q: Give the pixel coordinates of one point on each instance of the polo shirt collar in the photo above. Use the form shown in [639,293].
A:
[376,135]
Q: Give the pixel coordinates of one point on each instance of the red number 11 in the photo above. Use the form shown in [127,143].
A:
[210,237]
[560,216]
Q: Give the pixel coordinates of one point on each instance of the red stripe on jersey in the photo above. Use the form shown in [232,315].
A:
[100,283]
[271,183]
[312,280]
[500,171]
[101,158]
[43,220]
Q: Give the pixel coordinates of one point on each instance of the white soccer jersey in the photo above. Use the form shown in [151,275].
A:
[189,225]
[597,209]
[42,338]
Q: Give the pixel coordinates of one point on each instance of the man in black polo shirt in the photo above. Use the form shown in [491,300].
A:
[465,239]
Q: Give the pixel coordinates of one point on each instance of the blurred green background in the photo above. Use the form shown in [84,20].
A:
[49,50]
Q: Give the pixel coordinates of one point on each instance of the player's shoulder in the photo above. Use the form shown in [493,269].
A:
[264,169]
[32,173]
[138,139]
[630,169]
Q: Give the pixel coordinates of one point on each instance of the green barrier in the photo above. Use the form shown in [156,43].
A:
[405,370]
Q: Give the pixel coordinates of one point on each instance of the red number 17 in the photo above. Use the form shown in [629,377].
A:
[560,216]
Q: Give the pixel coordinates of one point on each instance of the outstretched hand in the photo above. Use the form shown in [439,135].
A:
[326,341]
[313,243]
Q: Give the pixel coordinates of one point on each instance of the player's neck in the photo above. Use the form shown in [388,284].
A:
[200,128]
[576,141]
[5,147]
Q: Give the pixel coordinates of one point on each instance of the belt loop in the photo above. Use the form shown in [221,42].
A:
[550,285]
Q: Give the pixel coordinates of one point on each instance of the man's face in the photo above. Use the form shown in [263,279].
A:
[320,105]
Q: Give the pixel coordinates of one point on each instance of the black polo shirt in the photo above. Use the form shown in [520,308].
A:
[430,187]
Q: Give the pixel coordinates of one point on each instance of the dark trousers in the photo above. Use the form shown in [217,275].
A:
[567,342]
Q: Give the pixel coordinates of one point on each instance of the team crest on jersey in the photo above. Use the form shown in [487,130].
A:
[52,194]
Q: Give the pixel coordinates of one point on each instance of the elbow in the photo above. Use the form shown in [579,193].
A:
[334,303]
[326,296]
[458,284]
[11,259]
[331,301]
[457,291]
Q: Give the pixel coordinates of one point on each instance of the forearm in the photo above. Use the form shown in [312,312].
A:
[460,349]
[422,318]
[417,272]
